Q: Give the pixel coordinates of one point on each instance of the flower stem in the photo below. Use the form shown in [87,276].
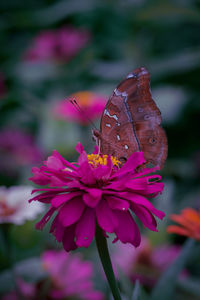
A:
[106,262]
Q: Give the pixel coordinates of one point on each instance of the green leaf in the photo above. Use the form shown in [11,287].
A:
[166,285]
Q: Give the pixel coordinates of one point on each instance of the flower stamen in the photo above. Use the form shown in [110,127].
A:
[96,159]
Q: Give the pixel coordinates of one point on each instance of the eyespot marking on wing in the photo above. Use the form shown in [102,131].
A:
[152,140]
[126,147]
[108,125]
[118,137]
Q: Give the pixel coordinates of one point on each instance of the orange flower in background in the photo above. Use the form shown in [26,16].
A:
[188,223]
[91,104]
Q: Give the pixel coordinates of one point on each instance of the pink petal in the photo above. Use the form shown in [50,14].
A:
[71,212]
[104,172]
[92,197]
[38,177]
[96,150]
[79,148]
[117,203]
[127,230]
[138,199]
[60,199]
[106,217]
[135,160]
[64,161]
[57,229]
[45,219]
[68,238]
[145,216]
[54,163]
[85,229]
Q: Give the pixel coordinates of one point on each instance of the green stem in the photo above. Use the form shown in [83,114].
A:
[106,262]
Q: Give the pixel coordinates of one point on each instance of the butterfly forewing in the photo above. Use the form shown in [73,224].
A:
[131,121]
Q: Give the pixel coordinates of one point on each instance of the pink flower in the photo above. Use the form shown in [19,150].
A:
[27,291]
[95,191]
[146,263]
[17,149]
[14,207]
[60,44]
[70,276]
[92,106]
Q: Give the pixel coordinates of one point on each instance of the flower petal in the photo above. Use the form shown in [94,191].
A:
[54,163]
[117,203]
[45,219]
[57,229]
[138,199]
[92,197]
[71,212]
[68,238]
[85,228]
[79,148]
[38,177]
[127,230]
[135,160]
[106,217]
[145,216]
[60,199]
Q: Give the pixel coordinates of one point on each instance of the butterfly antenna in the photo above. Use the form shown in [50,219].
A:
[77,106]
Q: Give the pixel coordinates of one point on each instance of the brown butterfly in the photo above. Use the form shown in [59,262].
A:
[131,122]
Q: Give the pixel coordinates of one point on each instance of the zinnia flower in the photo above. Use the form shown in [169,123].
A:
[146,263]
[92,105]
[95,191]
[60,44]
[188,223]
[14,207]
[68,277]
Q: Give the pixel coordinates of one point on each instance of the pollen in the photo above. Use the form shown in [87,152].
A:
[97,159]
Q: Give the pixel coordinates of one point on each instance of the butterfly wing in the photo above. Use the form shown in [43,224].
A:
[131,121]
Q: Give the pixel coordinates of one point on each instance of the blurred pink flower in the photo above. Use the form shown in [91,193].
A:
[91,104]
[146,263]
[17,149]
[14,207]
[95,190]
[68,277]
[26,291]
[59,44]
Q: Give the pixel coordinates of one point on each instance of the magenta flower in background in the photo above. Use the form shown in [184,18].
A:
[17,149]
[95,191]
[70,276]
[60,44]
[146,263]
[92,106]
[14,207]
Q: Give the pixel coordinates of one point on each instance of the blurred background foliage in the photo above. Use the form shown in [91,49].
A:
[163,36]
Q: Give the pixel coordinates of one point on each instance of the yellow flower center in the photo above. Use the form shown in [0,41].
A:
[97,159]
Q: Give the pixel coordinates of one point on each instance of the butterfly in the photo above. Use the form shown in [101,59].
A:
[131,122]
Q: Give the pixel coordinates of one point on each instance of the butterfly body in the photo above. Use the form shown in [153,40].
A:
[131,121]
